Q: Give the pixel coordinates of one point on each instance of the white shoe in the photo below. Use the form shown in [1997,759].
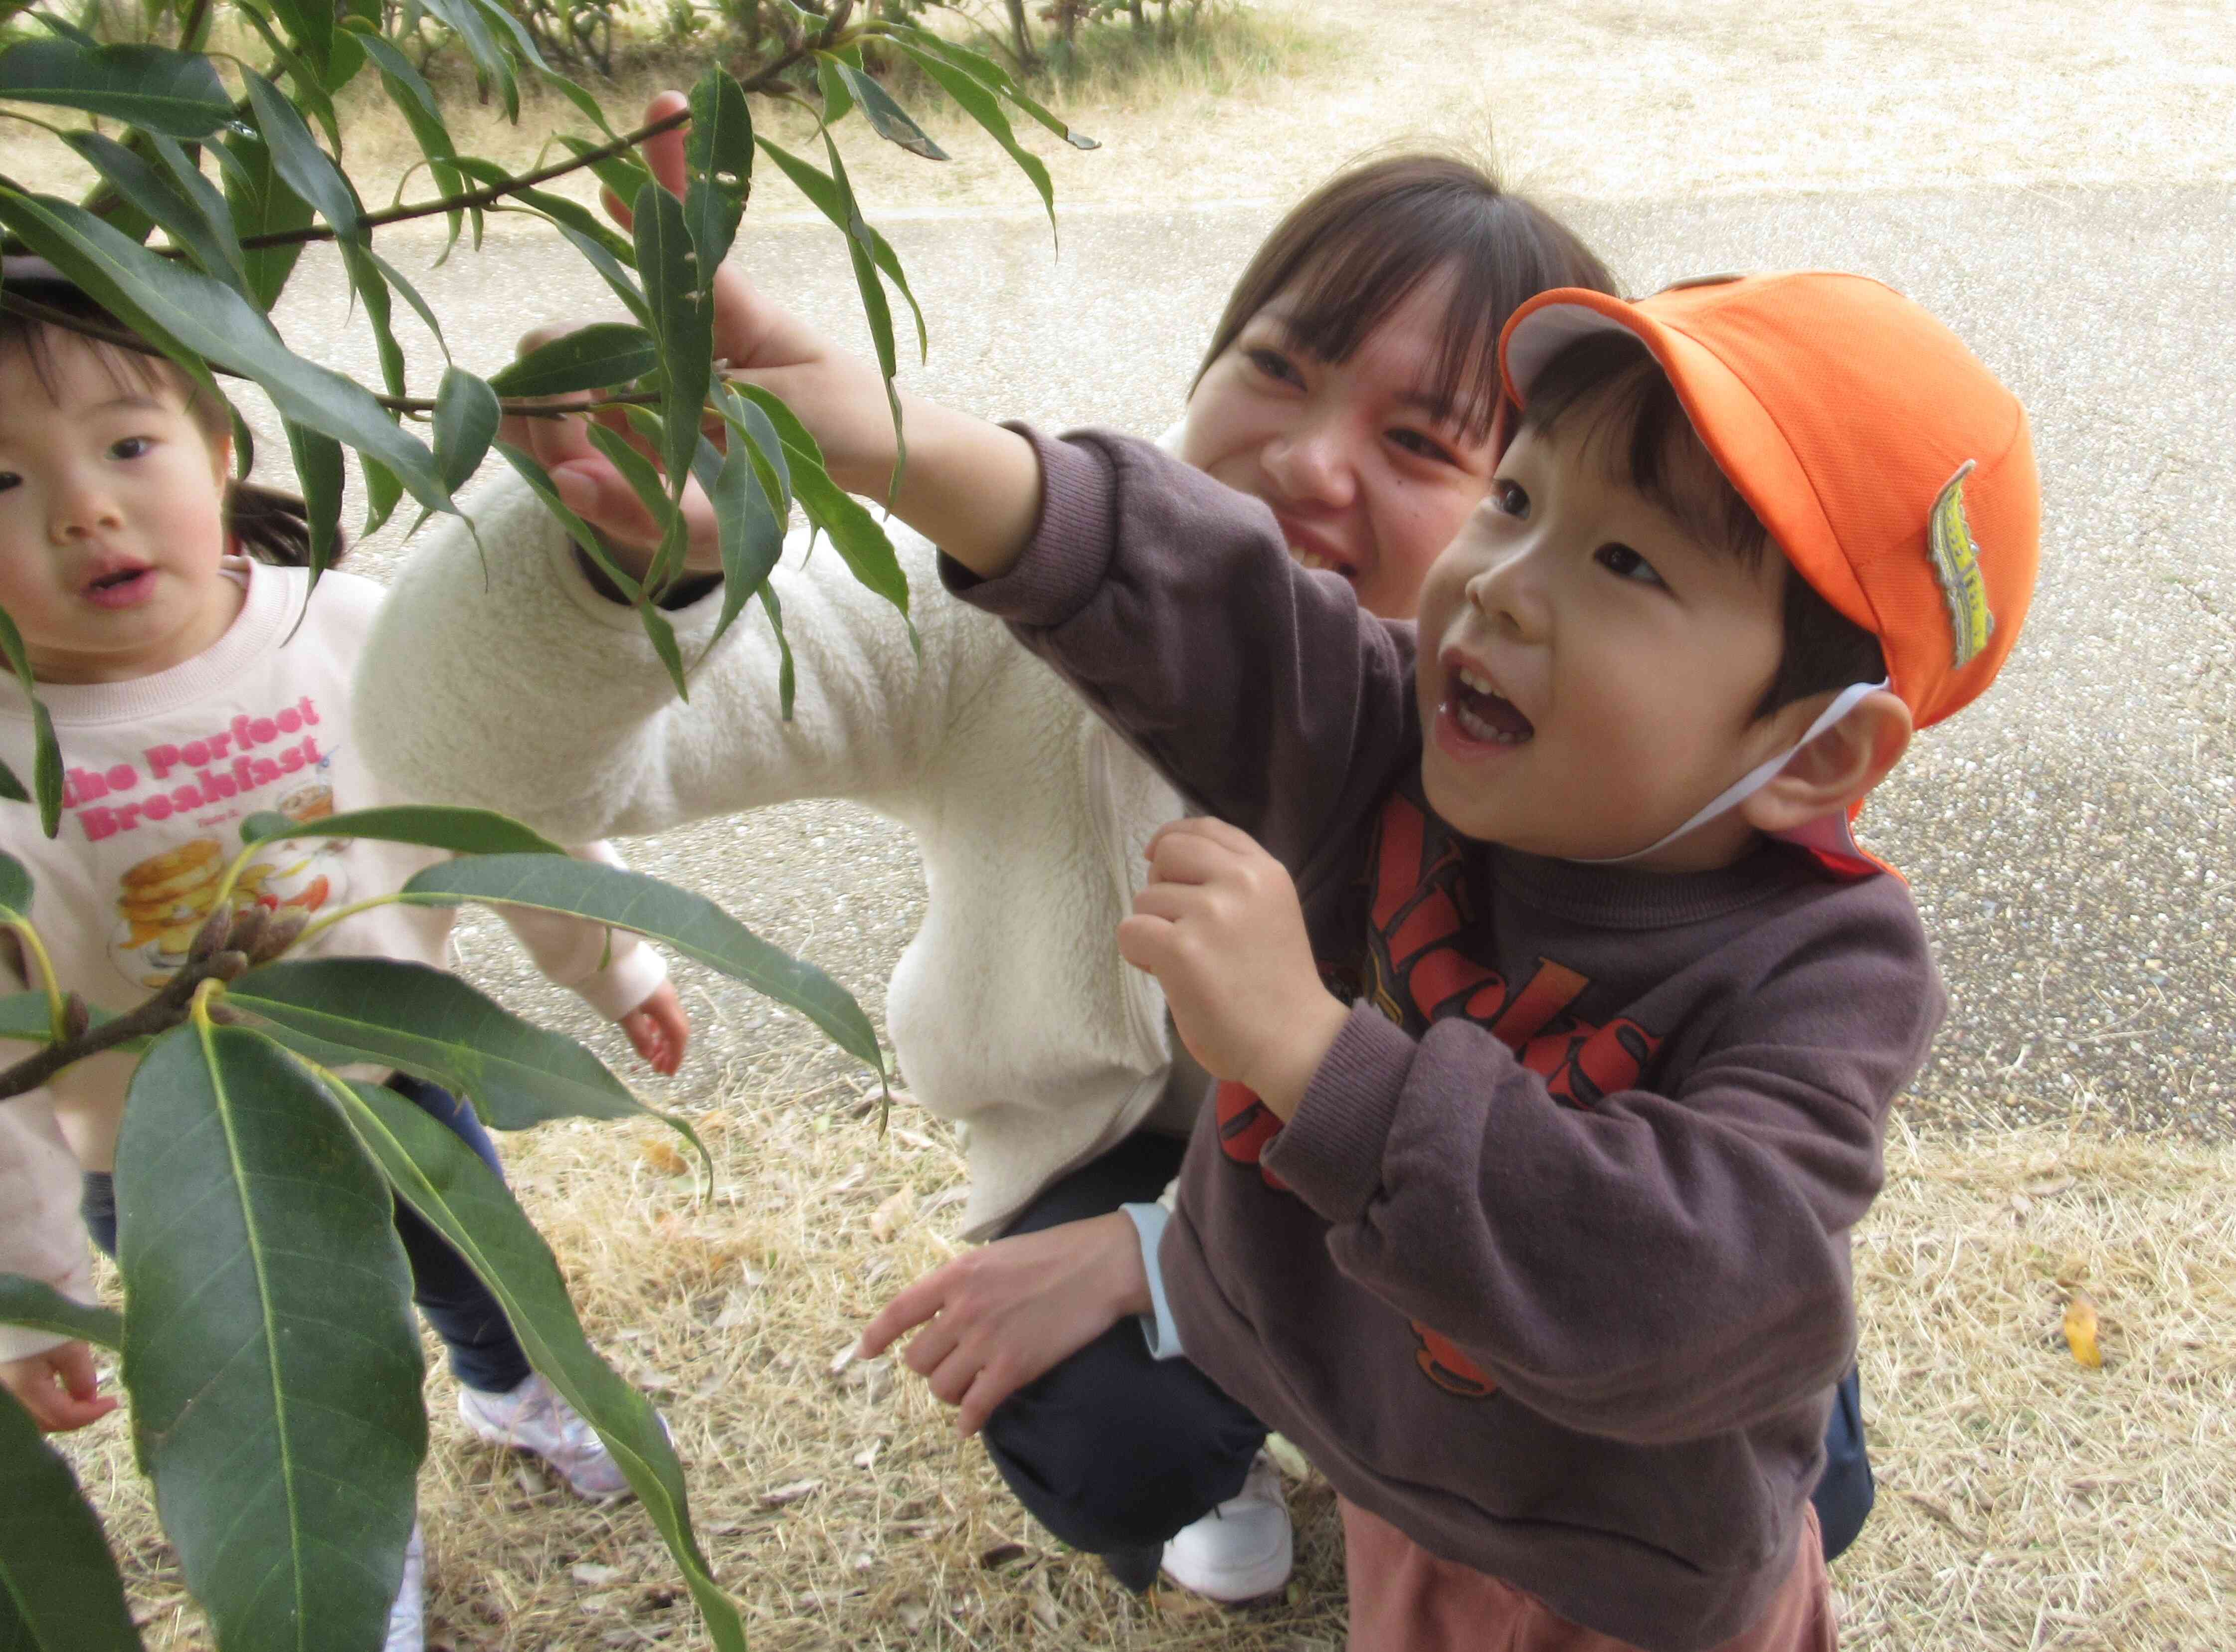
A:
[407,1614]
[1241,1550]
[532,1418]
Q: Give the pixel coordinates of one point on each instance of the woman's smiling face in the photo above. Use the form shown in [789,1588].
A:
[1367,473]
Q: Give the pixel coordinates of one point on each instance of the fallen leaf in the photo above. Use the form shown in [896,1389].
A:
[1002,1553]
[2081,1330]
[886,1221]
[1044,1606]
[662,1158]
[777,1496]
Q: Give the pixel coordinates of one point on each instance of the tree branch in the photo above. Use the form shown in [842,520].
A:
[159,1014]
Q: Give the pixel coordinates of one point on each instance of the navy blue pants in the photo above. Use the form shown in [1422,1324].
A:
[1113,1450]
[484,1353]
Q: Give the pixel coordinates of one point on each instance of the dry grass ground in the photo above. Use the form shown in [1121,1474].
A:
[2025,1502]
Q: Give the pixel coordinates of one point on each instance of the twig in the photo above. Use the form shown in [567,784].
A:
[159,1014]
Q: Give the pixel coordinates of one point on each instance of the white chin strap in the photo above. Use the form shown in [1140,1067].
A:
[1755,779]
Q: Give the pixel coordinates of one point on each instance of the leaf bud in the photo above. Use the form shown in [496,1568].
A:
[210,937]
[229,965]
[225,1016]
[76,1018]
[247,926]
[277,937]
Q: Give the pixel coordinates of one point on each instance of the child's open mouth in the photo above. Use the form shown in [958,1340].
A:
[121,589]
[1313,562]
[1483,715]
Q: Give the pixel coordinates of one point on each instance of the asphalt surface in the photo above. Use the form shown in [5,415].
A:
[2071,838]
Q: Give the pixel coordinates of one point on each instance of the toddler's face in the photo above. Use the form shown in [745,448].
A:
[1590,666]
[1364,473]
[111,519]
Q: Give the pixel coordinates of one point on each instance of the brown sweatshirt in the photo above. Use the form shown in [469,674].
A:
[1550,1268]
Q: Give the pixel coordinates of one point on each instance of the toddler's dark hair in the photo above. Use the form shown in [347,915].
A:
[1612,379]
[1355,248]
[268,523]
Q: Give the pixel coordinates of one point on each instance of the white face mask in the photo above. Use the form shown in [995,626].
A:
[1755,779]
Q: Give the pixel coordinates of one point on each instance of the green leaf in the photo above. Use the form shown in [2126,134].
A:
[263,205]
[860,541]
[208,318]
[411,296]
[310,172]
[598,357]
[368,281]
[382,493]
[982,106]
[431,825]
[691,924]
[17,889]
[824,192]
[270,1353]
[466,418]
[603,259]
[468,1203]
[311,26]
[571,215]
[318,474]
[432,1024]
[682,318]
[747,418]
[837,97]
[46,760]
[59,1587]
[622,174]
[38,1307]
[752,538]
[786,681]
[163,200]
[409,91]
[28,1016]
[310,83]
[721,147]
[892,122]
[989,72]
[532,472]
[175,93]
[464,19]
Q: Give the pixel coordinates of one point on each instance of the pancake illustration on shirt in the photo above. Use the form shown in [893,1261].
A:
[162,900]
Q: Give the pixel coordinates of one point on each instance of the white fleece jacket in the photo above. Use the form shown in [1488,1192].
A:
[1011,1010]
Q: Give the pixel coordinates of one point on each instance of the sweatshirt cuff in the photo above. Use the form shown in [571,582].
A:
[1068,557]
[1157,1327]
[635,975]
[597,598]
[1331,1153]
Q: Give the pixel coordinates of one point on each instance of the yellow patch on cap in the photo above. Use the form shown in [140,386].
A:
[1957,565]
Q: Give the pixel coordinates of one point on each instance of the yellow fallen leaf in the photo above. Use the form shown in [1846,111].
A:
[659,1157]
[886,1220]
[2081,1330]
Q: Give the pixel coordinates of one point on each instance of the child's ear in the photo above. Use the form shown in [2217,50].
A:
[1838,768]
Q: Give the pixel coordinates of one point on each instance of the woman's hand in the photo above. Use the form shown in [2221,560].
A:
[1002,1315]
[60,1388]
[1220,927]
[660,1030]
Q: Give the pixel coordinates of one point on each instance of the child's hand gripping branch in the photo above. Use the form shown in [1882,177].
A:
[972,488]
[60,1387]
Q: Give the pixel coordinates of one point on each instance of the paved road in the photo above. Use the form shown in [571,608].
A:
[2072,839]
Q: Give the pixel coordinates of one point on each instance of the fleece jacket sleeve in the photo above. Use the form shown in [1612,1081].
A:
[41,1235]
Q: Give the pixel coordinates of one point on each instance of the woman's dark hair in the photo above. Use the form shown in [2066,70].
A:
[1611,380]
[1352,251]
[267,523]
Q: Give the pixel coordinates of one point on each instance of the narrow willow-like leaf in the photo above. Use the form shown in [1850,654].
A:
[615,274]
[175,93]
[598,357]
[989,72]
[161,199]
[662,636]
[891,121]
[408,90]
[838,96]
[318,476]
[39,1307]
[17,889]
[531,470]
[752,538]
[47,758]
[691,924]
[464,1200]
[747,417]
[432,1024]
[860,540]
[383,492]
[309,81]
[367,280]
[721,147]
[984,107]
[622,174]
[263,205]
[431,825]
[571,214]
[654,493]
[464,19]
[787,681]
[272,1364]
[212,320]
[308,169]
[813,182]
[59,1587]
[311,25]
[466,418]
[420,307]
[682,319]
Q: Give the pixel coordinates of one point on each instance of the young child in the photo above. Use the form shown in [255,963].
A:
[163,608]
[1557,1012]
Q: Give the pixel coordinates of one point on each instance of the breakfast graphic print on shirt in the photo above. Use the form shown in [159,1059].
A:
[1417,973]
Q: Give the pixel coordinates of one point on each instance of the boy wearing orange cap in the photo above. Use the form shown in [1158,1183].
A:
[1556,1012]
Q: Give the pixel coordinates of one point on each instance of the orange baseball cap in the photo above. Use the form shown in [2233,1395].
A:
[1892,468]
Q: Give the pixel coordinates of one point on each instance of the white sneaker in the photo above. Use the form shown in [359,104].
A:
[1241,1550]
[532,1418]
[407,1614]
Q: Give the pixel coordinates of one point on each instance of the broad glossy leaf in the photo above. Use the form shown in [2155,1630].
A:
[158,195]
[46,760]
[318,475]
[597,357]
[28,1016]
[466,418]
[691,924]
[307,168]
[429,1022]
[682,318]
[892,122]
[819,187]
[39,1307]
[175,93]
[270,1353]
[860,541]
[984,107]
[213,321]
[59,1587]
[462,1198]
[263,205]
[431,825]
